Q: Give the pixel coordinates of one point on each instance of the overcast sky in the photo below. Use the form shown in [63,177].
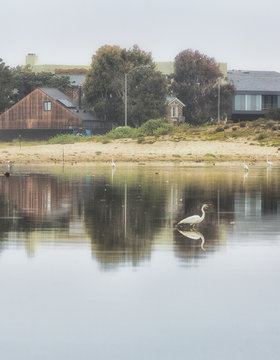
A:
[242,33]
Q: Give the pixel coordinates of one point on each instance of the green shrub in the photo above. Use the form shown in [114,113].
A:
[67,139]
[219,129]
[242,124]
[164,130]
[183,127]
[273,114]
[257,123]
[140,138]
[261,136]
[121,132]
[150,126]
[270,124]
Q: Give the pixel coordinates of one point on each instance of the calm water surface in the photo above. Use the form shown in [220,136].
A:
[93,267]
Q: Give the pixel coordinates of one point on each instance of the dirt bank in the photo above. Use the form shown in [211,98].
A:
[182,152]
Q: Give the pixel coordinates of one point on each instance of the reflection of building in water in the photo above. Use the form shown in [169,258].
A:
[35,207]
[247,204]
[38,197]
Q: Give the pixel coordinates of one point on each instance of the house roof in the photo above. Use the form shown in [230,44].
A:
[171,99]
[255,81]
[75,79]
[67,102]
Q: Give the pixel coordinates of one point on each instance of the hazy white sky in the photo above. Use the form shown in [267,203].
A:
[243,33]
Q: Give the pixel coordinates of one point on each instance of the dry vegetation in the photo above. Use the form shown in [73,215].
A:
[211,145]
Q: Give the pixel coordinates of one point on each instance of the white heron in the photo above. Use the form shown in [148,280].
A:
[113,163]
[194,235]
[246,168]
[194,219]
[269,163]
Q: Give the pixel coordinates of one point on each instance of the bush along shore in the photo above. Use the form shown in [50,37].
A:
[157,141]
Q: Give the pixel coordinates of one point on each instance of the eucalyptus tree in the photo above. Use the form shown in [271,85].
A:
[195,82]
[113,68]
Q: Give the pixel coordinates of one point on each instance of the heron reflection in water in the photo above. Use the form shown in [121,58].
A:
[245,166]
[194,235]
[269,163]
[194,219]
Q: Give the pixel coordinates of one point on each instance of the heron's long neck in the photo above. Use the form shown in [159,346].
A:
[203,213]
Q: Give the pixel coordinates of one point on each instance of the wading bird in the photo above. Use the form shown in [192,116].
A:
[269,163]
[195,219]
[113,163]
[246,168]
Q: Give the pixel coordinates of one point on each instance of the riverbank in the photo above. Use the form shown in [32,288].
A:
[164,152]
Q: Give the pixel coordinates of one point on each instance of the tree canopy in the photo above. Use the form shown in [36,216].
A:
[26,81]
[195,83]
[105,82]
[5,86]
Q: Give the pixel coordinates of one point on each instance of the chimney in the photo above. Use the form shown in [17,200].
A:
[31,59]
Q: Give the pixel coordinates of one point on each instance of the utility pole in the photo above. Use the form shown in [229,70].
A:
[125,99]
[219,98]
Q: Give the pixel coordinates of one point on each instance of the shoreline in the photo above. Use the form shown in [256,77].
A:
[161,153]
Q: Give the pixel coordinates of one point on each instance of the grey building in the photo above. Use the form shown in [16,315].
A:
[256,93]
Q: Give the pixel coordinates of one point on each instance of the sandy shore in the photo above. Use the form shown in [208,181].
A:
[183,152]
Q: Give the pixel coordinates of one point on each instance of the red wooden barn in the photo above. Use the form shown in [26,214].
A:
[48,111]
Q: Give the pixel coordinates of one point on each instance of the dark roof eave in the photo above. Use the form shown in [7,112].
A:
[256,92]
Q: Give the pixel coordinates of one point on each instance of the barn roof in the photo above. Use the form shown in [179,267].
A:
[67,102]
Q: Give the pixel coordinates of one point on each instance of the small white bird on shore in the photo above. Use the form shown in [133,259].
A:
[246,168]
[269,163]
[113,163]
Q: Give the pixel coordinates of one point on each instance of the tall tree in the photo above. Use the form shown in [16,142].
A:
[5,86]
[105,82]
[26,81]
[195,82]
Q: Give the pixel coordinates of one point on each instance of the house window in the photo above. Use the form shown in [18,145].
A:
[269,102]
[47,105]
[240,102]
[174,111]
[253,102]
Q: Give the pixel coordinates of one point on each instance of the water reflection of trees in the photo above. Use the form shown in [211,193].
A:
[122,220]
[126,217]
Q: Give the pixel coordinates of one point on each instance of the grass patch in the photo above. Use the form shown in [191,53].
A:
[68,139]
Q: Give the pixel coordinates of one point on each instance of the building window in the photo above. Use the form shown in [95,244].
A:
[248,103]
[269,102]
[253,102]
[47,105]
[174,111]
[240,102]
